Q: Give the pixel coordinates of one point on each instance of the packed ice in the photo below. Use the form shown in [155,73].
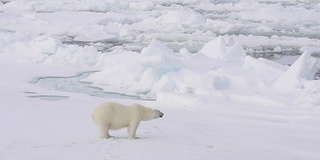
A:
[237,79]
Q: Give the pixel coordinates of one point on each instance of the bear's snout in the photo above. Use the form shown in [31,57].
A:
[158,114]
[161,114]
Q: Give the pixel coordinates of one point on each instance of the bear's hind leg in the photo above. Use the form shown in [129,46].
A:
[104,132]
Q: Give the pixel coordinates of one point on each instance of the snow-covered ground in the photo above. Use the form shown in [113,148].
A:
[201,62]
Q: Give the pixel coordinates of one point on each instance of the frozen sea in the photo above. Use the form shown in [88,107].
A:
[236,79]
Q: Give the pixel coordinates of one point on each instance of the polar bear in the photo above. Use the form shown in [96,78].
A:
[112,116]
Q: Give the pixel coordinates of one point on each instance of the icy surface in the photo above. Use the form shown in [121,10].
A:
[236,79]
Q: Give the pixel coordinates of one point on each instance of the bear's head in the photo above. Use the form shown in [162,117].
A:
[158,114]
[148,113]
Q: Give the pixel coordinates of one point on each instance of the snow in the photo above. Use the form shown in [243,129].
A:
[236,79]
[179,17]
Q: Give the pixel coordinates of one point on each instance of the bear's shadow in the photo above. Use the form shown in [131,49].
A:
[125,138]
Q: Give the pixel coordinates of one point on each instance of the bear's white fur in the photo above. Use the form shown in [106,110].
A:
[112,116]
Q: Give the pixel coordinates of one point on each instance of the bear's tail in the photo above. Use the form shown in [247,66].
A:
[95,121]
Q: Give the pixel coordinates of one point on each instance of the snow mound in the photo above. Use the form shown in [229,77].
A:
[159,57]
[48,50]
[220,66]
[303,69]
[263,68]
[221,49]
[137,73]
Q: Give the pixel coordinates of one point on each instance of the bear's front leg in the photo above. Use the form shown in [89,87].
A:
[132,129]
